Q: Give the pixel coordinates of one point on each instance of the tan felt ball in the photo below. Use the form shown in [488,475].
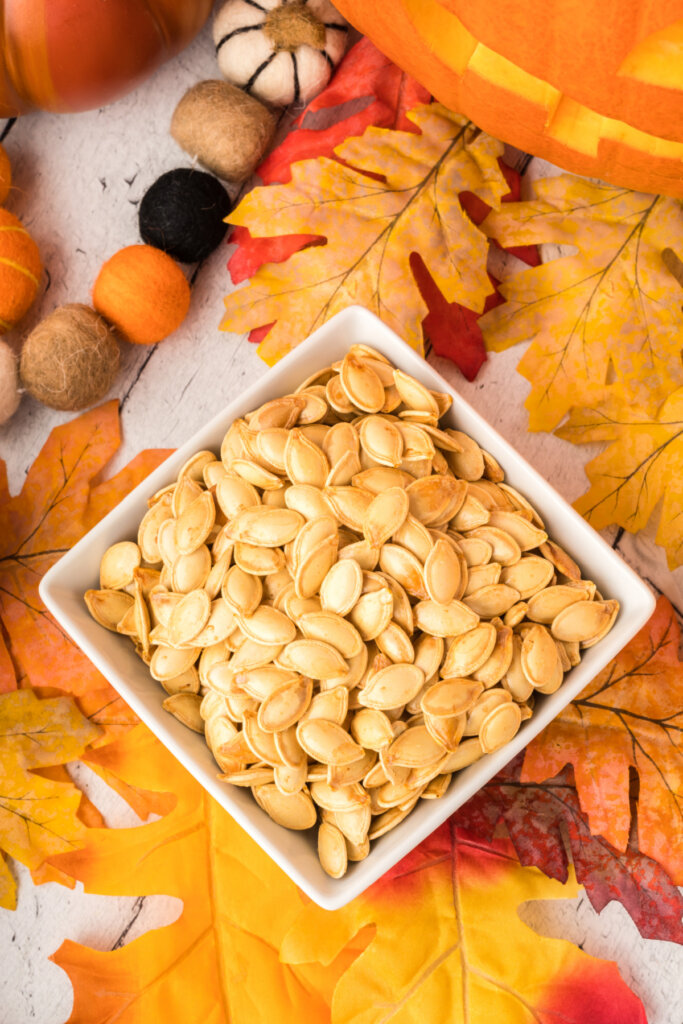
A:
[143,292]
[224,128]
[9,382]
[69,361]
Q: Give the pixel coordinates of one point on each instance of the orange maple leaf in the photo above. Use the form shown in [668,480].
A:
[38,814]
[613,306]
[247,949]
[641,467]
[630,716]
[62,497]
[396,193]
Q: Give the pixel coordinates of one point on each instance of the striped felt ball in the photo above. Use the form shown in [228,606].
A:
[20,270]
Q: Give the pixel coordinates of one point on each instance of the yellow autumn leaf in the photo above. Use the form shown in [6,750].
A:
[606,319]
[371,227]
[249,948]
[449,945]
[641,467]
[37,814]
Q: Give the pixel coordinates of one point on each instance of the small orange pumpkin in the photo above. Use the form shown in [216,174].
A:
[596,89]
[69,55]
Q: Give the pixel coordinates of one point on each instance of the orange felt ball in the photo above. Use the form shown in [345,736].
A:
[143,293]
[20,270]
[5,174]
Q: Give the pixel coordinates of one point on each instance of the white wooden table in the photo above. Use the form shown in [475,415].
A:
[79,181]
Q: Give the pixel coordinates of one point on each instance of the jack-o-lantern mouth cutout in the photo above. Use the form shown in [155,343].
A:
[69,55]
[599,92]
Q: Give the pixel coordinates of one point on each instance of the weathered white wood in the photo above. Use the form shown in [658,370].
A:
[78,181]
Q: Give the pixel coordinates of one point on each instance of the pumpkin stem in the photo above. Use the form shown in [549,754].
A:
[289,26]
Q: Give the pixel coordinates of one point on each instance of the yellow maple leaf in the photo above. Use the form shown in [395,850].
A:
[641,467]
[248,949]
[449,945]
[371,227]
[613,308]
[38,815]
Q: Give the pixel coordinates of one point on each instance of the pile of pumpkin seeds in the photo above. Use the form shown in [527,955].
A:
[349,603]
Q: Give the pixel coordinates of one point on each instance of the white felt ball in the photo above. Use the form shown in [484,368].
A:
[280,52]
[9,383]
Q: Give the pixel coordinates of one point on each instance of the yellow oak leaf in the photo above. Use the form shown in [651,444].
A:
[449,946]
[396,193]
[38,816]
[641,467]
[608,315]
[248,948]
[63,495]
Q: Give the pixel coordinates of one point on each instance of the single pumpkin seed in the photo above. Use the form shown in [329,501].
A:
[334,630]
[285,705]
[372,613]
[444,620]
[294,811]
[185,707]
[583,621]
[341,587]
[108,607]
[327,742]
[313,658]
[442,573]
[492,600]
[361,385]
[118,565]
[392,687]
[499,727]
[540,660]
[451,697]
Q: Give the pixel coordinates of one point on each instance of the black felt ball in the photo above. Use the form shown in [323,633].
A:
[182,213]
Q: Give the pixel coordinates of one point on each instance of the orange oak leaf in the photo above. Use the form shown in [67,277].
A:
[251,951]
[449,945]
[630,716]
[62,497]
[38,815]
[641,467]
[612,310]
[395,193]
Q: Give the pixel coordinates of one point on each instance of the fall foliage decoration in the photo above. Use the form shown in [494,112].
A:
[595,92]
[610,310]
[68,56]
[638,469]
[633,711]
[371,226]
[37,814]
[422,933]
[433,917]
[281,52]
[143,293]
[63,496]
[549,830]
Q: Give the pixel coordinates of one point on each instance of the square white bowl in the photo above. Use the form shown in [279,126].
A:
[63,587]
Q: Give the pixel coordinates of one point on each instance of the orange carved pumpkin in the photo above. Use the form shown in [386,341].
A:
[75,54]
[595,88]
